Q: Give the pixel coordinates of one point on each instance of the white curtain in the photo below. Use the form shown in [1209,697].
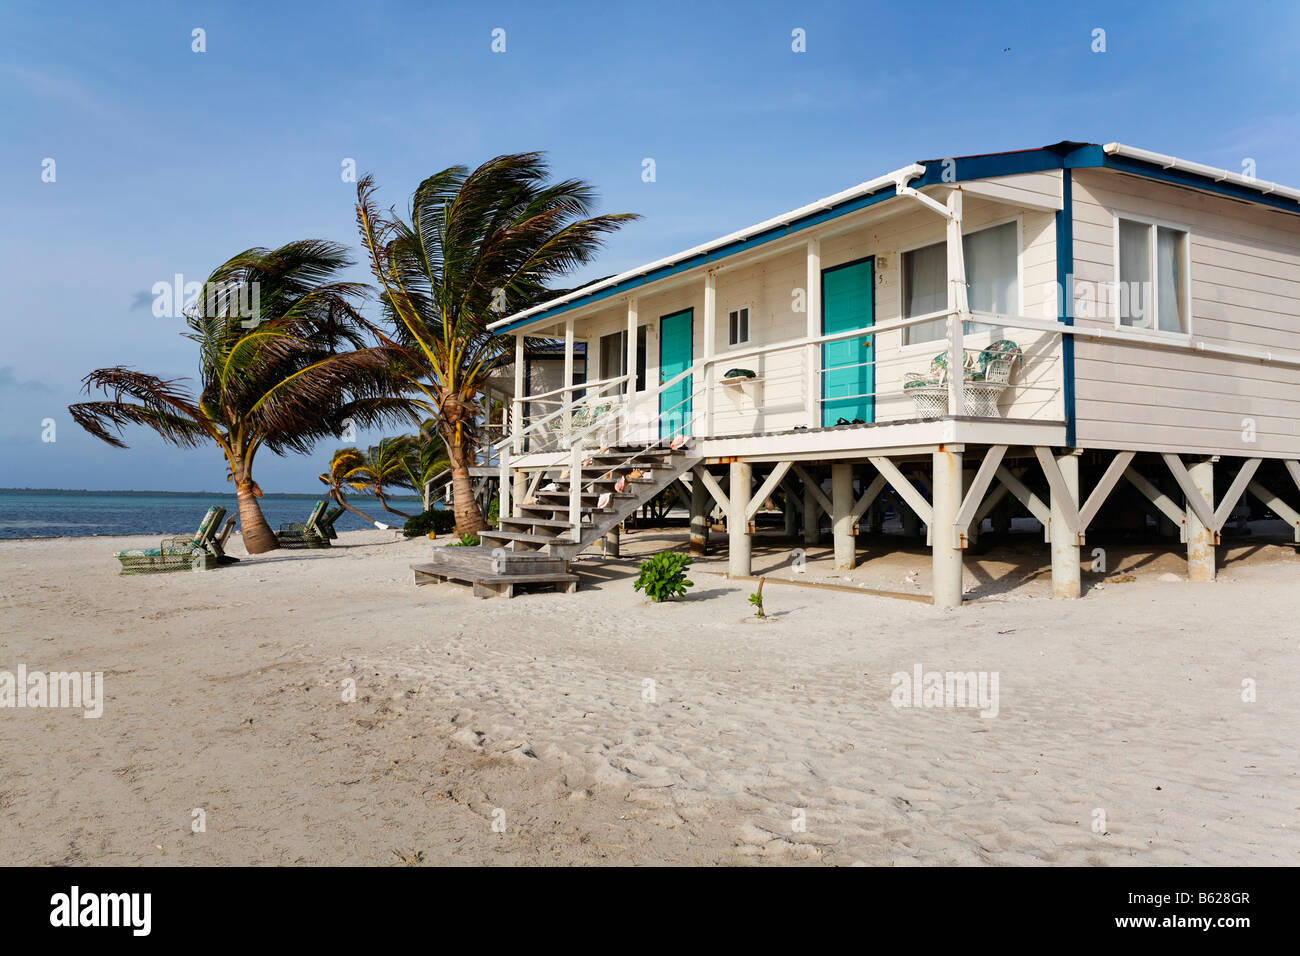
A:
[1134,274]
[925,281]
[1170,252]
[992,280]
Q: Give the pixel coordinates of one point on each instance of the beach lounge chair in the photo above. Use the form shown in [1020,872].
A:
[315,532]
[327,520]
[201,551]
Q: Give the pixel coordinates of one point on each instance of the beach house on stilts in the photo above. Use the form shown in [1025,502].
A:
[1055,327]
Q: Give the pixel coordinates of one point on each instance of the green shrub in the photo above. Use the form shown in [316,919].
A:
[467,540]
[436,520]
[664,576]
[494,512]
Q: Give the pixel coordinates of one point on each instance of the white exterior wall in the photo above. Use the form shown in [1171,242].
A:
[1245,292]
[767,286]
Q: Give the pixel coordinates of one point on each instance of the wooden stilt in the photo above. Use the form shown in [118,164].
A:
[1064,541]
[811,514]
[739,545]
[701,504]
[946,503]
[1200,539]
[842,516]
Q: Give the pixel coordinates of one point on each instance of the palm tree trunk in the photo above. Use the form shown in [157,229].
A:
[257,534]
[384,502]
[343,503]
[469,520]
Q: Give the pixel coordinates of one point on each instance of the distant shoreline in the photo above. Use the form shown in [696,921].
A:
[181,494]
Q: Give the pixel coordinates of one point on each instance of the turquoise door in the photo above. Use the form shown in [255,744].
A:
[848,385]
[675,333]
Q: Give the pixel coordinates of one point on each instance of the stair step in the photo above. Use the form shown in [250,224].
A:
[643,480]
[584,496]
[524,537]
[587,512]
[563,524]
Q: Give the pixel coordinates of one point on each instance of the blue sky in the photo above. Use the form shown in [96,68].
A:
[169,161]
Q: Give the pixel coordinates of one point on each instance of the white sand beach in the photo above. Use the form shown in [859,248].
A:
[224,694]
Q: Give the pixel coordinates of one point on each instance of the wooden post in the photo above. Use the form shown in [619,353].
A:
[946,559]
[739,549]
[789,512]
[567,395]
[842,520]
[1200,539]
[957,307]
[1063,542]
[575,489]
[631,347]
[709,345]
[519,491]
[812,359]
[517,406]
[701,504]
[507,505]
[611,542]
[811,515]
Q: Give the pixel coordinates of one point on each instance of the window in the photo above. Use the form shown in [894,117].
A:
[992,280]
[738,326]
[613,357]
[1148,250]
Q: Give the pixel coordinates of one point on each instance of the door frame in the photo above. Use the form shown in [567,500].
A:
[821,324]
[689,311]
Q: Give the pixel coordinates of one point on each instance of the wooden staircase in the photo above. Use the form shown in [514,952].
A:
[534,549]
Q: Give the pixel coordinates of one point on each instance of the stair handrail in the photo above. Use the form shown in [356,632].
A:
[599,387]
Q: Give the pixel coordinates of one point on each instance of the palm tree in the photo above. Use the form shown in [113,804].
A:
[387,467]
[349,468]
[283,363]
[476,245]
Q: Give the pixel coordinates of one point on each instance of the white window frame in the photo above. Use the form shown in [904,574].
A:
[1154,331]
[749,325]
[982,331]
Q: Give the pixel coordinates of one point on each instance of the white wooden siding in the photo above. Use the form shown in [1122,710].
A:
[1245,292]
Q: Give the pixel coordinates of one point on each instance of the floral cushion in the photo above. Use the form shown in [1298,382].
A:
[1001,349]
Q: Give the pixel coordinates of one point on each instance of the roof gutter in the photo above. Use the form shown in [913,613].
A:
[1200,169]
[785,219]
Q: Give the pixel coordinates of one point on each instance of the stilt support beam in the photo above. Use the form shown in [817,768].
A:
[740,544]
[947,492]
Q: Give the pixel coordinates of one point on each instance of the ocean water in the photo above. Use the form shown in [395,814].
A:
[49,514]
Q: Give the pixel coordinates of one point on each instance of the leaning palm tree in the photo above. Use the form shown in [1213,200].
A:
[476,245]
[283,363]
[349,468]
[386,466]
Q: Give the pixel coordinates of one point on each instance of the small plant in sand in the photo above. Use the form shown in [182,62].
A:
[466,541]
[664,576]
[756,599]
